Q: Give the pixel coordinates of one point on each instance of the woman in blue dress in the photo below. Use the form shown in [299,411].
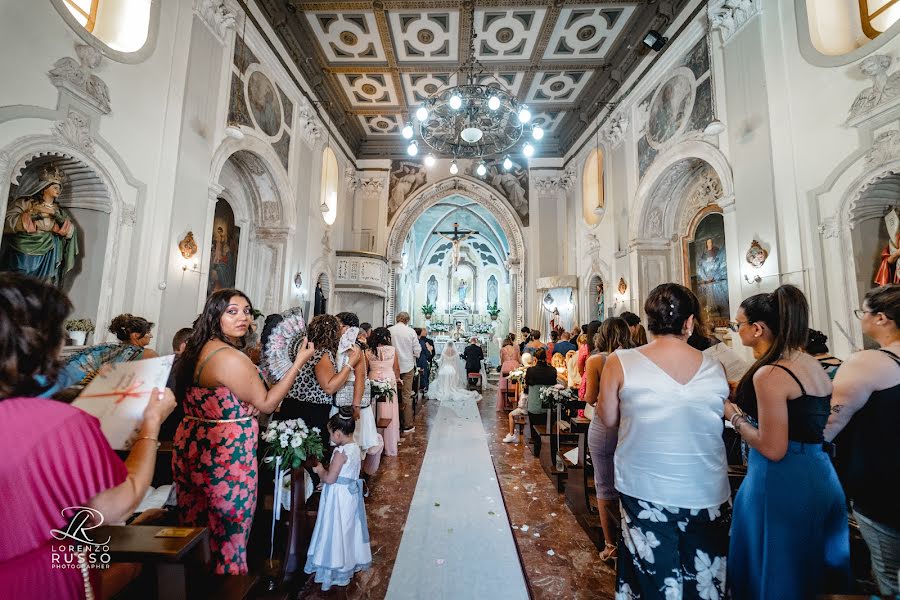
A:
[789,534]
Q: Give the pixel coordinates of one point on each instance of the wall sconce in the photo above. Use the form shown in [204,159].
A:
[755,279]
[623,287]
[298,280]
[188,248]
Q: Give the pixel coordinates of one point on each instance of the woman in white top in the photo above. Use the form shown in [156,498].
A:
[668,401]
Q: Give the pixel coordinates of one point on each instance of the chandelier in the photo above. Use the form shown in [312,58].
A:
[474,119]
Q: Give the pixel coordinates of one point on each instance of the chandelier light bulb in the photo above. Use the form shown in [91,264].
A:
[429,160]
[528,150]
[455,102]
[422,113]
[413,148]
[507,164]
[537,132]
[453,168]
[407,131]
[471,135]
[481,170]
[524,115]
[494,103]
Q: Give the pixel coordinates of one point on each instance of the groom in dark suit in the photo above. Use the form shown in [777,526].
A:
[424,360]
[473,355]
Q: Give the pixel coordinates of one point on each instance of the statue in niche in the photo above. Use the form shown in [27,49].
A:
[492,291]
[39,237]
[432,291]
[461,289]
[601,302]
[888,271]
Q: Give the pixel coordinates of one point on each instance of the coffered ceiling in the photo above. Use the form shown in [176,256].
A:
[373,62]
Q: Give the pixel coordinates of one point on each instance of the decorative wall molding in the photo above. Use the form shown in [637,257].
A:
[216,16]
[885,148]
[362,273]
[730,16]
[553,184]
[883,94]
[77,77]
[75,131]
[556,281]
[128,216]
[615,129]
[309,126]
[830,227]
[707,190]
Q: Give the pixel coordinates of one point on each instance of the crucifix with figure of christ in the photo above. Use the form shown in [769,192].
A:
[456,237]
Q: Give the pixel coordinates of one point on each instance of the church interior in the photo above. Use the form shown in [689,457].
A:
[475,244]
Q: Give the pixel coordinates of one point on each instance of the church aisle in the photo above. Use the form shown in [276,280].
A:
[457,541]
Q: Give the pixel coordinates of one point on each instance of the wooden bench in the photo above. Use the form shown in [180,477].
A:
[581,495]
[382,422]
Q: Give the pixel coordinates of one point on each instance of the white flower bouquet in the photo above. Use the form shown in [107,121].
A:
[517,376]
[482,328]
[382,388]
[555,395]
[439,327]
[293,442]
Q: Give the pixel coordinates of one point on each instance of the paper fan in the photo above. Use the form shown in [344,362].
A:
[283,343]
[348,339]
[82,367]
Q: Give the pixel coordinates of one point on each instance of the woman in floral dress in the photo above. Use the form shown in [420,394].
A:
[214,459]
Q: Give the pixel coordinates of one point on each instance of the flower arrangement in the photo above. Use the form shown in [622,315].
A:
[482,328]
[493,310]
[517,376]
[555,395]
[428,309]
[293,442]
[382,388]
[459,306]
[439,327]
[85,325]
[433,369]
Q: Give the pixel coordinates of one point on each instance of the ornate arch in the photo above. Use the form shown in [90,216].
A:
[430,195]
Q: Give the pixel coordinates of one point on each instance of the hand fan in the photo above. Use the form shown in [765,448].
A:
[283,344]
[82,367]
[348,339]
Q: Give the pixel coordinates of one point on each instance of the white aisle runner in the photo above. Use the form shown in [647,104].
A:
[457,543]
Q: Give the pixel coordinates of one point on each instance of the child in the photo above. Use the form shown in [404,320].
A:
[520,409]
[340,541]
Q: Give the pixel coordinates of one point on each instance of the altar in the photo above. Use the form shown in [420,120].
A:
[460,326]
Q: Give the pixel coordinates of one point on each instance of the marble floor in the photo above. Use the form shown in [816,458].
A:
[573,570]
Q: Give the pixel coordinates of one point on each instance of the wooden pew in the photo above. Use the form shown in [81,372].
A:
[581,495]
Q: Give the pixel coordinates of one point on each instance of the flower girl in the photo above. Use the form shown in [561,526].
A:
[340,541]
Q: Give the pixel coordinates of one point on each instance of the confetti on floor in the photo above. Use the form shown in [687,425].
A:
[551,553]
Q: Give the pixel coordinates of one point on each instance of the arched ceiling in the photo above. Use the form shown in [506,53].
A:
[489,244]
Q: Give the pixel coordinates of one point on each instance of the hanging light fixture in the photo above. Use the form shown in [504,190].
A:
[507,163]
[429,160]
[422,113]
[454,169]
[528,149]
[413,148]
[407,131]
[481,170]
[537,132]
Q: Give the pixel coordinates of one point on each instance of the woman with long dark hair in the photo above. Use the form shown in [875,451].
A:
[667,399]
[319,379]
[56,458]
[584,352]
[385,366]
[612,335]
[214,459]
[789,537]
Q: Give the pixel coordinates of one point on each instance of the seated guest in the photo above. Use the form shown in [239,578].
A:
[538,377]
[214,458]
[535,342]
[55,456]
[865,410]
[817,346]
[179,340]
[521,404]
[564,345]
[667,399]
[509,361]
[572,374]
[789,536]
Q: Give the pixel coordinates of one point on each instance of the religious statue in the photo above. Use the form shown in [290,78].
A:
[40,237]
[887,270]
[456,237]
[554,319]
[432,291]
[461,290]
[492,291]
[601,302]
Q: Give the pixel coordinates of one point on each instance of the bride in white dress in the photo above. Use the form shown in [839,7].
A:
[450,383]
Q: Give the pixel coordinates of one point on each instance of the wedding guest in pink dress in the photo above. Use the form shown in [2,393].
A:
[383,364]
[57,463]
[510,359]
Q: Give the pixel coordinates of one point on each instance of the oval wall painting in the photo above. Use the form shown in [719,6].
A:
[264,104]
[670,109]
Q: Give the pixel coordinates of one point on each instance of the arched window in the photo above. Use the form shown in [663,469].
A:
[328,200]
[839,27]
[592,188]
[122,25]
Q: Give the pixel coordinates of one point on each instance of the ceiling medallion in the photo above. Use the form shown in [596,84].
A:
[475,119]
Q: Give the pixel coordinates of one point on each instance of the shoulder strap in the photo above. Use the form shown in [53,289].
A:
[794,377]
[206,360]
[893,356]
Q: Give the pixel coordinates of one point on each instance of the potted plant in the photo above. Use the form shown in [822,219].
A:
[493,310]
[428,310]
[78,329]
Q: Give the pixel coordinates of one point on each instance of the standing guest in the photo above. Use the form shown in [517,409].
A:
[384,365]
[365,330]
[339,547]
[640,335]
[535,342]
[406,344]
[525,334]
[134,333]
[817,346]
[541,375]
[55,456]
[509,362]
[564,345]
[789,538]
[554,338]
[584,351]
[214,455]
[474,356]
[633,321]
[311,395]
[179,340]
[867,398]
[576,331]
[424,360]
[612,335]
[667,400]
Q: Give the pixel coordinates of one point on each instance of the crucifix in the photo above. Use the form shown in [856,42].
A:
[456,237]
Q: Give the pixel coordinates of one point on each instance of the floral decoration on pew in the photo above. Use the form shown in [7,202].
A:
[555,395]
[293,442]
[381,389]
[517,376]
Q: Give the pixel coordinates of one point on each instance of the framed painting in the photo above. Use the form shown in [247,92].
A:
[223,258]
[706,267]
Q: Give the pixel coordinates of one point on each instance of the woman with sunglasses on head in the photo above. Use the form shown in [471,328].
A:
[789,533]
[867,398]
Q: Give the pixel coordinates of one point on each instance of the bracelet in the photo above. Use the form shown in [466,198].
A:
[737,422]
[147,437]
